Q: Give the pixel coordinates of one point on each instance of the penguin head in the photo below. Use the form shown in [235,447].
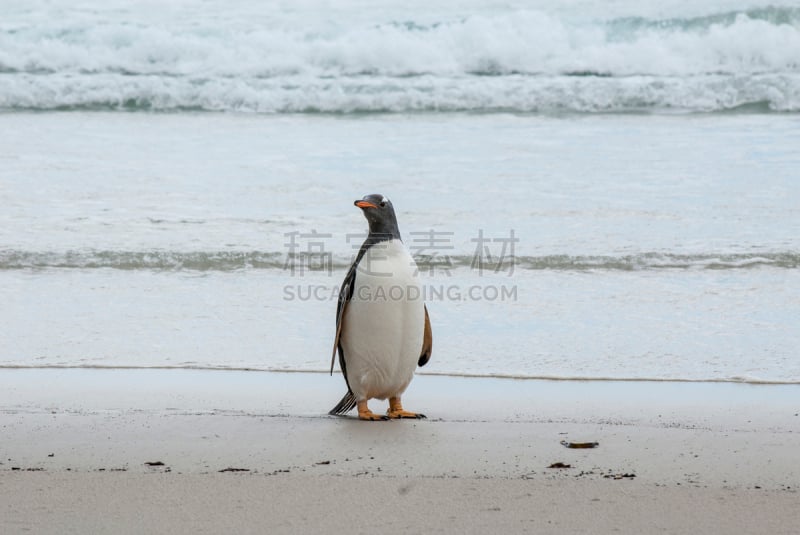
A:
[380,215]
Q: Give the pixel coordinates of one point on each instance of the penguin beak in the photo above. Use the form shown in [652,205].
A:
[364,204]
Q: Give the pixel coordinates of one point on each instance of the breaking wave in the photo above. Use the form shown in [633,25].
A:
[244,260]
[512,61]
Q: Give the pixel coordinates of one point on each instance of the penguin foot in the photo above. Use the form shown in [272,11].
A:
[371,416]
[404,414]
[365,414]
[396,410]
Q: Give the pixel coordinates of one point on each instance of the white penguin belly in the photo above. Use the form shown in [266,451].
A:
[384,322]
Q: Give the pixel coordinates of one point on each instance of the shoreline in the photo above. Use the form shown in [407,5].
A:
[253,452]
[732,380]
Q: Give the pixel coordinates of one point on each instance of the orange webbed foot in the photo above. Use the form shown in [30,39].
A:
[404,414]
[396,411]
[365,414]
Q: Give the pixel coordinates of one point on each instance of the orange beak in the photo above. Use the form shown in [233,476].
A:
[364,204]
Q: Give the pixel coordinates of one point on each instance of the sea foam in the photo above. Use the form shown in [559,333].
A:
[518,60]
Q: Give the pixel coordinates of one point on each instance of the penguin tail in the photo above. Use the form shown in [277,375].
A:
[345,405]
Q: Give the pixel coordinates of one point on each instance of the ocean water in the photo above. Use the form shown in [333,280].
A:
[592,189]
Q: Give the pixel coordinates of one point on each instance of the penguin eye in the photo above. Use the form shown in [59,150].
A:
[383,203]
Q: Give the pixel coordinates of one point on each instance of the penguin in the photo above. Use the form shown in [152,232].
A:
[383,331]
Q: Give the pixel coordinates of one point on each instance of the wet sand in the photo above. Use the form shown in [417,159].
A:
[254,452]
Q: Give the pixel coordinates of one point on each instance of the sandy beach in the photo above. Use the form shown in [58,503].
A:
[177,451]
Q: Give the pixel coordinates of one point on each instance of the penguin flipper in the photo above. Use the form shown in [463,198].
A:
[427,341]
[345,294]
[349,400]
[340,307]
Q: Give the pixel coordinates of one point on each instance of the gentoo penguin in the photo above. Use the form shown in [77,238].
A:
[382,326]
